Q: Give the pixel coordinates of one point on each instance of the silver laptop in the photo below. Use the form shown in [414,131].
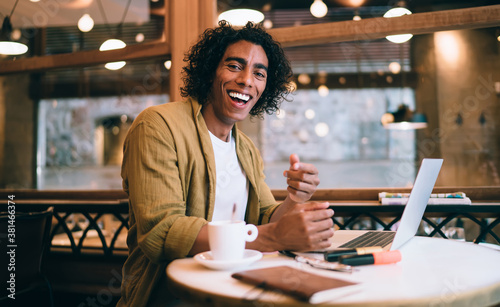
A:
[410,220]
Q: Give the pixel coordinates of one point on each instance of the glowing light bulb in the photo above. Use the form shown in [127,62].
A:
[304,79]
[395,67]
[318,9]
[168,64]
[321,129]
[16,34]
[85,23]
[268,24]
[323,90]
[139,37]
[309,114]
[281,114]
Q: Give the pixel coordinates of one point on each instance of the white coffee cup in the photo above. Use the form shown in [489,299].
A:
[227,239]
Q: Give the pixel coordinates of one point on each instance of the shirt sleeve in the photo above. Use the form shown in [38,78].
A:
[151,178]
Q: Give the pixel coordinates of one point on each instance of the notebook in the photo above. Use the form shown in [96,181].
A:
[410,220]
[303,285]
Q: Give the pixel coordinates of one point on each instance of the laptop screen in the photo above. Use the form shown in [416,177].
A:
[417,202]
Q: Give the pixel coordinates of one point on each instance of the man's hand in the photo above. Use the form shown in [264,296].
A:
[302,180]
[296,224]
[307,227]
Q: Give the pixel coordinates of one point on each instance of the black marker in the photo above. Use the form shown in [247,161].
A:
[334,255]
[375,258]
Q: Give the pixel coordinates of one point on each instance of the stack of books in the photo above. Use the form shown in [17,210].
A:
[457,198]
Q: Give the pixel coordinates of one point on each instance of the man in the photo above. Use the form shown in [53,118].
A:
[185,163]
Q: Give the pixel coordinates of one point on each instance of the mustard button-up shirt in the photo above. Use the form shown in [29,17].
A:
[168,172]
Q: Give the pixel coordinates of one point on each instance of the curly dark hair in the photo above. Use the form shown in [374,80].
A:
[204,57]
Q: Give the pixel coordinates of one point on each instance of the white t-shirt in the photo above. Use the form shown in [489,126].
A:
[232,182]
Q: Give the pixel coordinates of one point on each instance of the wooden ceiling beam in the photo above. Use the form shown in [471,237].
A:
[380,27]
[366,29]
[85,58]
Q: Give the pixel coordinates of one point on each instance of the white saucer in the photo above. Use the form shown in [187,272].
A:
[249,257]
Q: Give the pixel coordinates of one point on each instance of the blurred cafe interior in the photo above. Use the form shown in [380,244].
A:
[374,95]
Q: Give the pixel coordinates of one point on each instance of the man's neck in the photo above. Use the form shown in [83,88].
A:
[214,125]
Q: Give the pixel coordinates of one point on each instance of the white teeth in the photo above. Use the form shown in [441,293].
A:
[239,96]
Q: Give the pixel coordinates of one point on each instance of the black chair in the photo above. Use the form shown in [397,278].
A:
[24,238]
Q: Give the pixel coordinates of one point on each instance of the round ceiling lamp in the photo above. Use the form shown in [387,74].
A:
[7,45]
[399,38]
[113,44]
[318,9]
[240,17]
[12,48]
[398,12]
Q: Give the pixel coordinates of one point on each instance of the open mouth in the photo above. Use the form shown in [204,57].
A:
[239,97]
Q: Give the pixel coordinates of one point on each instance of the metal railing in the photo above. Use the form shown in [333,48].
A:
[436,220]
[105,217]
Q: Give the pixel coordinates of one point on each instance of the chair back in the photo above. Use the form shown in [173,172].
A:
[24,237]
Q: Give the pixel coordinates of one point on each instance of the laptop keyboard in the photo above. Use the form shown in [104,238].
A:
[371,238]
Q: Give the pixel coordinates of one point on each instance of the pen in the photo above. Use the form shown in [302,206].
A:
[375,258]
[320,264]
[334,255]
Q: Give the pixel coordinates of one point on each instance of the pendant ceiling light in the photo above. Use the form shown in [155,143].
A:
[85,23]
[404,119]
[7,45]
[114,43]
[397,12]
[318,9]
[240,17]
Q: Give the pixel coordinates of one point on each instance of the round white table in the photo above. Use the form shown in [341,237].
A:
[433,272]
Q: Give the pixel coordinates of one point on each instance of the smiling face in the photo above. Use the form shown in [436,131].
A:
[239,81]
